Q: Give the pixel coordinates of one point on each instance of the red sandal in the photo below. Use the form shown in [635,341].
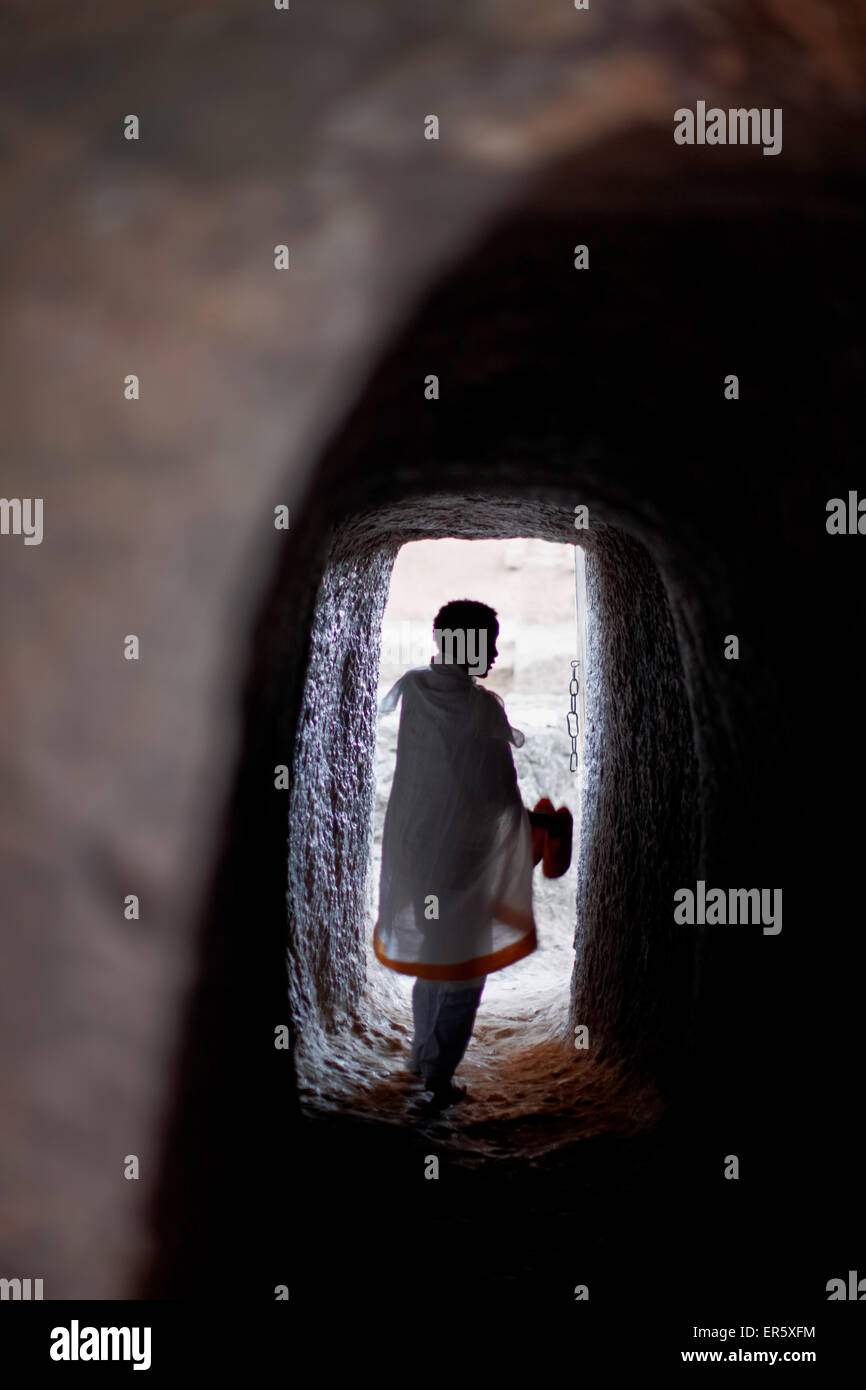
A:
[539,832]
[557,845]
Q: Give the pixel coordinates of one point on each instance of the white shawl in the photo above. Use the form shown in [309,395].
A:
[455,895]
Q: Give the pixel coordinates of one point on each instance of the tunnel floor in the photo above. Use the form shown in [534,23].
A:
[528,1093]
[529,1090]
[555,1175]
[612,1213]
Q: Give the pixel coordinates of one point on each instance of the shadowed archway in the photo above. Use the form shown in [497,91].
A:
[556,389]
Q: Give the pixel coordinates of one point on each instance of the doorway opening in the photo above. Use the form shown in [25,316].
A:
[606,965]
[530,583]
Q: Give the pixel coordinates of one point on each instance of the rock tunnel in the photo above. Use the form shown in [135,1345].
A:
[556,391]
[559,387]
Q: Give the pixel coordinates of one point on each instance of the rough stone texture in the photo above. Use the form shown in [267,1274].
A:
[158,778]
[638,818]
[639,811]
[690,770]
[334,784]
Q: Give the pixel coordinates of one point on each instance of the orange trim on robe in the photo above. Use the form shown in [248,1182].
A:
[468,969]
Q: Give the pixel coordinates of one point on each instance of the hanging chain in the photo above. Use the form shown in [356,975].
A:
[573,688]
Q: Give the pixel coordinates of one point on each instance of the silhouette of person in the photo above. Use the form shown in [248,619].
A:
[455,894]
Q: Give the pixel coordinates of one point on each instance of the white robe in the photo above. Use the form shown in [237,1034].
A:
[456,840]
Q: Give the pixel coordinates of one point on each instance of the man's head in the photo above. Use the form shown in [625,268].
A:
[465,632]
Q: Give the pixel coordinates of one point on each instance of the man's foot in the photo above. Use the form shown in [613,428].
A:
[410,1077]
[444,1094]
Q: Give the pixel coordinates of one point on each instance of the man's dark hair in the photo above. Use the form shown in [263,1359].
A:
[463,614]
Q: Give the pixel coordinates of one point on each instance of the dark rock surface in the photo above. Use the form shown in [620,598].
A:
[155,1037]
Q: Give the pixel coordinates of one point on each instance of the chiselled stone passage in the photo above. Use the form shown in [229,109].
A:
[688,778]
[283,286]
[632,976]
